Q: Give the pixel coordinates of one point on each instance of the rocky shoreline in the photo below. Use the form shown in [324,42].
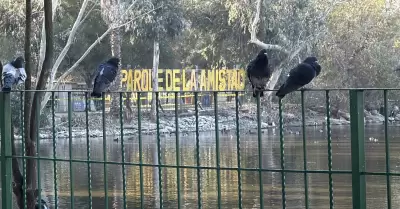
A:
[206,121]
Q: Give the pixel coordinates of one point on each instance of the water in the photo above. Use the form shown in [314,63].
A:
[316,154]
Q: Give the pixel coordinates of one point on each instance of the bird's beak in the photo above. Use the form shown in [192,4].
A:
[265,53]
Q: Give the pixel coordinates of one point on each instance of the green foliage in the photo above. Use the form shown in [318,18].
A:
[165,21]
[359,52]
[354,43]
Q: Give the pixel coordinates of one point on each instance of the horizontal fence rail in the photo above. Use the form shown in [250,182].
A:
[172,190]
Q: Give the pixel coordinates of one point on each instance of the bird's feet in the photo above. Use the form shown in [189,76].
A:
[255,93]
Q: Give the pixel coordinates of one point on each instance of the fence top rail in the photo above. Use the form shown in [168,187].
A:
[213,91]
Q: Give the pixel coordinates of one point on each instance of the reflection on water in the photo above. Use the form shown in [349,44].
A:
[316,155]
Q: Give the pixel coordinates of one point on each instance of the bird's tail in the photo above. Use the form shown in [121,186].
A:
[96,95]
[286,89]
[280,93]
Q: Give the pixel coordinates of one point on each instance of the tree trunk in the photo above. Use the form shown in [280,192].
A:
[156,61]
[17,176]
[115,41]
[29,108]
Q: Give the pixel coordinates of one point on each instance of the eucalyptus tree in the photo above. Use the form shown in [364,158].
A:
[163,24]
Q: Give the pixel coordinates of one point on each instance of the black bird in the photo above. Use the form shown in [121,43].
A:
[300,76]
[105,75]
[259,72]
[13,74]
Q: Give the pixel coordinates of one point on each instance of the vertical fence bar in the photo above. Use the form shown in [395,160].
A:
[388,186]
[357,148]
[328,128]
[71,172]
[159,148]
[121,121]
[196,110]
[53,121]
[303,123]
[6,161]
[39,182]
[259,137]
[178,174]
[139,107]
[282,149]
[238,150]
[89,166]
[105,151]
[21,97]
[217,148]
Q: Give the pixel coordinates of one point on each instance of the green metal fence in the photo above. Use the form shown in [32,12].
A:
[358,171]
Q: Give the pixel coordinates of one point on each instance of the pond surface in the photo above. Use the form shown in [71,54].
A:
[317,159]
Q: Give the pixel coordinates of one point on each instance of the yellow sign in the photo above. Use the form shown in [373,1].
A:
[397,44]
[185,80]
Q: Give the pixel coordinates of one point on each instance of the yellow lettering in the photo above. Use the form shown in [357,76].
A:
[136,85]
[216,83]
[241,79]
[233,78]
[203,85]
[129,81]
[184,83]
[397,44]
[175,80]
[149,79]
[168,80]
[210,83]
[160,80]
[193,81]
[124,74]
[145,85]
[222,80]
[228,79]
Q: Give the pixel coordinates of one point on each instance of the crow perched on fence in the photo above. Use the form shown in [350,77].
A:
[300,76]
[105,75]
[259,72]
[13,74]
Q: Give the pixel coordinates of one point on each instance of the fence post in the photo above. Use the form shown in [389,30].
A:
[6,166]
[357,148]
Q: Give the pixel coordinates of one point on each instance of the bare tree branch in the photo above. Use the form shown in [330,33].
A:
[253,32]
[127,23]
[69,42]
[42,50]
[55,84]
[87,15]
